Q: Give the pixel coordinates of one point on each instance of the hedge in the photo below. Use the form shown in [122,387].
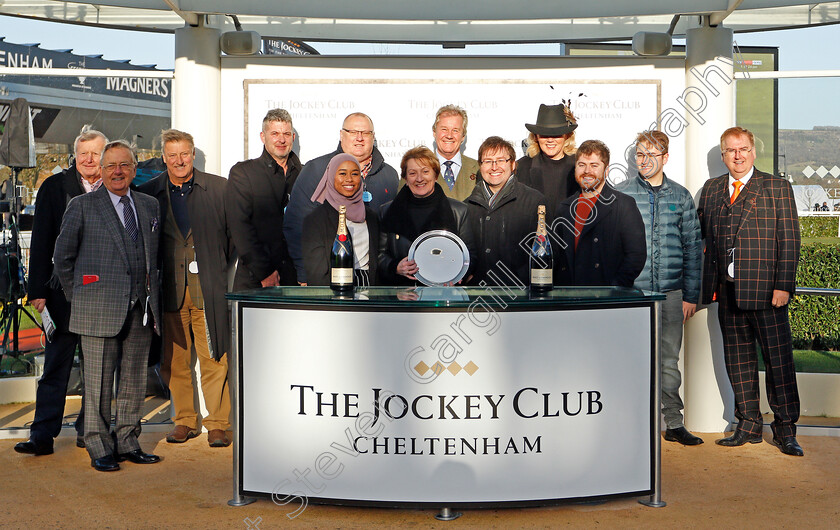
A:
[815,320]
[813,226]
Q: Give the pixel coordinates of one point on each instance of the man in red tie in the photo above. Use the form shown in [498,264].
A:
[751,230]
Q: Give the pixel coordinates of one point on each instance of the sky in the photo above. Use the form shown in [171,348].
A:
[799,49]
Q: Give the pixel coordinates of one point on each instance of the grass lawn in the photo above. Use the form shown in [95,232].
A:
[25,321]
[811,361]
[825,240]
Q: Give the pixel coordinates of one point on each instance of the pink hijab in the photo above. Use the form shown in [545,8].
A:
[326,190]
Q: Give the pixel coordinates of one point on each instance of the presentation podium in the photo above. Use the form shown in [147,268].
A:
[445,396]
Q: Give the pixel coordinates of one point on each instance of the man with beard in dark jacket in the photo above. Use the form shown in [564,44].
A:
[379,181]
[53,196]
[257,193]
[601,231]
[503,212]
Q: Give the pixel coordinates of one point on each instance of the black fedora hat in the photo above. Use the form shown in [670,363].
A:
[552,121]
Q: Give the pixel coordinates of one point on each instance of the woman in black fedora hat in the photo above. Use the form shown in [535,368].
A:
[549,163]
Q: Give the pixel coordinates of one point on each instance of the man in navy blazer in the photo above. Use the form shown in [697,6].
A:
[106,260]
[751,230]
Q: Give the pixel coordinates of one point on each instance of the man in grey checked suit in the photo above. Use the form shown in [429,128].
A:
[105,258]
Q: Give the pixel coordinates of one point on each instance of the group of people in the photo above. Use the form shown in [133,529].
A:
[116,267]
[824,207]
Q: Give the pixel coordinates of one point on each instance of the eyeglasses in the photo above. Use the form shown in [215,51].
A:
[491,163]
[354,132]
[124,166]
[642,156]
[743,151]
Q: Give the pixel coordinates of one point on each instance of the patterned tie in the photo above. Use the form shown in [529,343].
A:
[448,175]
[735,193]
[128,218]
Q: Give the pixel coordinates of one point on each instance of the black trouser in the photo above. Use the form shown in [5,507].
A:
[52,388]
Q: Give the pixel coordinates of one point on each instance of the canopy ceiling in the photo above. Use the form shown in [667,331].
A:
[432,21]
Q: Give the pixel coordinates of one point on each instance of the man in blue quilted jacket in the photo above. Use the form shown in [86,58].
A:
[673,264]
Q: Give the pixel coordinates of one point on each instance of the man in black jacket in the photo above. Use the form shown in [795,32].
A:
[257,194]
[379,181]
[193,255]
[601,231]
[504,213]
[53,196]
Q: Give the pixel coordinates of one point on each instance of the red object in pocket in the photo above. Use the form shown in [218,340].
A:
[89,278]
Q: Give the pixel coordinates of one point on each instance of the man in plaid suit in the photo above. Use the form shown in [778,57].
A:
[105,258]
[751,230]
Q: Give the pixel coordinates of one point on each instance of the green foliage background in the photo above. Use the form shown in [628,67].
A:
[815,320]
[818,227]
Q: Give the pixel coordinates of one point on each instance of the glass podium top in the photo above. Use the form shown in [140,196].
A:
[454,297]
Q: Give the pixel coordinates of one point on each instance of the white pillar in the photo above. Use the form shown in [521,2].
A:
[196,92]
[196,109]
[709,100]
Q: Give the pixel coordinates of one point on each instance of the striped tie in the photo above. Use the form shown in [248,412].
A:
[128,218]
[735,193]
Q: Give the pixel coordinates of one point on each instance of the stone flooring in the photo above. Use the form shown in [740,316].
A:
[707,486]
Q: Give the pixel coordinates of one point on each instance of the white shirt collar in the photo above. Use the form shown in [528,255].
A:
[746,178]
[115,199]
[118,207]
[456,162]
[88,187]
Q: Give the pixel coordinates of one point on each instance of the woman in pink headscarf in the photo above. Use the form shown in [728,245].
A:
[341,185]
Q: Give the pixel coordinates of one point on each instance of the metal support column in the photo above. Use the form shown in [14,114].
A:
[655,500]
[234,363]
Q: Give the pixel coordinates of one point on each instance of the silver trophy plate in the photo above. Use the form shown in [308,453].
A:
[441,257]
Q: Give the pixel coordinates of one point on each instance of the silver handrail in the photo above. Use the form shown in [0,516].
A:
[819,291]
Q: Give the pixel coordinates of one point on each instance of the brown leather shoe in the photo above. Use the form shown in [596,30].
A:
[181,434]
[218,438]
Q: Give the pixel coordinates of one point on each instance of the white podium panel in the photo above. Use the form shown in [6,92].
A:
[447,407]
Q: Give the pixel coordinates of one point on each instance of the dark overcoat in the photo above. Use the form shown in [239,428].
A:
[504,231]
[611,249]
[53,196]
[257,194]
[206,208]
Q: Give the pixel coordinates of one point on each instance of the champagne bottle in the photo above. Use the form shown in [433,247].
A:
[542,259]
[341,256]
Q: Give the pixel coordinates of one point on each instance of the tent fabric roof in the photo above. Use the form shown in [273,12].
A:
[432,21]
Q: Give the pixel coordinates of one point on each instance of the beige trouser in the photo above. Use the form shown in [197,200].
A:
[182,329]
